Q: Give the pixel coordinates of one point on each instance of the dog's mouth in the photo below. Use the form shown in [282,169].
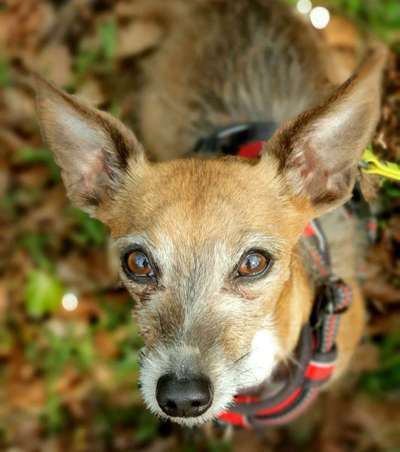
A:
[189,389]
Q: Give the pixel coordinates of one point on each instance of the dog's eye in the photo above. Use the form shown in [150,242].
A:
[254,264]
[137,265]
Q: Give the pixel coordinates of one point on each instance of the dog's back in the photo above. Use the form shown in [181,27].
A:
[225,62]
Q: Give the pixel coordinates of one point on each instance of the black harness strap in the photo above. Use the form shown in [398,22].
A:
[228,140]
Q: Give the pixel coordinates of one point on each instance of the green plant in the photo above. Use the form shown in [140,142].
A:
[5,77]
[108,39]
[381,17]
[43,293]
[88,231]
[36,244]
[53,415]
[100,57]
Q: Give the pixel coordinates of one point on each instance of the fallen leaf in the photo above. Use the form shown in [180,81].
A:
[55,63]
[91,91]
[137,37]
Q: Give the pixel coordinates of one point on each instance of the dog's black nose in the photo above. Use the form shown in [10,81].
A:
[187,397]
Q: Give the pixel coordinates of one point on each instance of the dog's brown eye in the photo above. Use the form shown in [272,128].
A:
[254,264]
[138,265]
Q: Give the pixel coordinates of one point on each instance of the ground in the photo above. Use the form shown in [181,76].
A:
[68,379]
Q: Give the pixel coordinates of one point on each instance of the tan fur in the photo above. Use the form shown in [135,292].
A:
[197,216]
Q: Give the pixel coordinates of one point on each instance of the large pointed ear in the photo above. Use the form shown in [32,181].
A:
[91,147]
[318,152]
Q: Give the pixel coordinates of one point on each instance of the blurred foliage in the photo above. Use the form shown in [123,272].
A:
[386,379]
[5,76]
[89,231]
[43,293]
[381,17]
[100,56]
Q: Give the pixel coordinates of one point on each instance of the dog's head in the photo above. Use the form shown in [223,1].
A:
[208,247]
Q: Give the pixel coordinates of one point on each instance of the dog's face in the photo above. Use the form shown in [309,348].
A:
[209,275]
[208,247]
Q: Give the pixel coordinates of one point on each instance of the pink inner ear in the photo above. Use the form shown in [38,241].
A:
[90,177]
[320,182]
[313,171]
[98,176]
[309,163]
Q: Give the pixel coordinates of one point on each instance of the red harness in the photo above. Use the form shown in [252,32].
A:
[316,350]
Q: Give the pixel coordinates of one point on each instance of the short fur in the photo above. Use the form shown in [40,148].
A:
[221,63]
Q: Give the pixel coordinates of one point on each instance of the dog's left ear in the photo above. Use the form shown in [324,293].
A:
[318,151]
[92,148]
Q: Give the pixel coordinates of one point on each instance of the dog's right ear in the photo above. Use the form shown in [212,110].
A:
[91,147]
[318,151]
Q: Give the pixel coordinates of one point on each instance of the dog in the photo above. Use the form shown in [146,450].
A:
[212,247]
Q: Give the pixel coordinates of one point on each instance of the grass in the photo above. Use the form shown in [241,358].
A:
[99,56]
[380,17]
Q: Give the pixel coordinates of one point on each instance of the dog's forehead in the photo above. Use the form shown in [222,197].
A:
[201,200]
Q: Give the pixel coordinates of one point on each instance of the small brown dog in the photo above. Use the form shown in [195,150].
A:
[212,249]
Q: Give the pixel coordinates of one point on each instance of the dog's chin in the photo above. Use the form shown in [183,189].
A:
[189,421]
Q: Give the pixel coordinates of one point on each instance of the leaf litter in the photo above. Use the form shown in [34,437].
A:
[69,377]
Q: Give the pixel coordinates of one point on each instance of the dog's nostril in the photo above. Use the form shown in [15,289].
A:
[189,397]
[171,405]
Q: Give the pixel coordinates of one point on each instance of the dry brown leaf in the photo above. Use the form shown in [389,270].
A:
[249,442]
[366,358]
[105,344]
[28,396]
[24,23]
[385,324]
[344,41]
[163,445]
[55,63]
[137,37]
[342,33]
[91,91]
[19,106]
[33,177]
[103,376]
[10,141]
[382,290]
[4,300]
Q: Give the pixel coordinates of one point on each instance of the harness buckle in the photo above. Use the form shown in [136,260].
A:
[333,298]
[338,296]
